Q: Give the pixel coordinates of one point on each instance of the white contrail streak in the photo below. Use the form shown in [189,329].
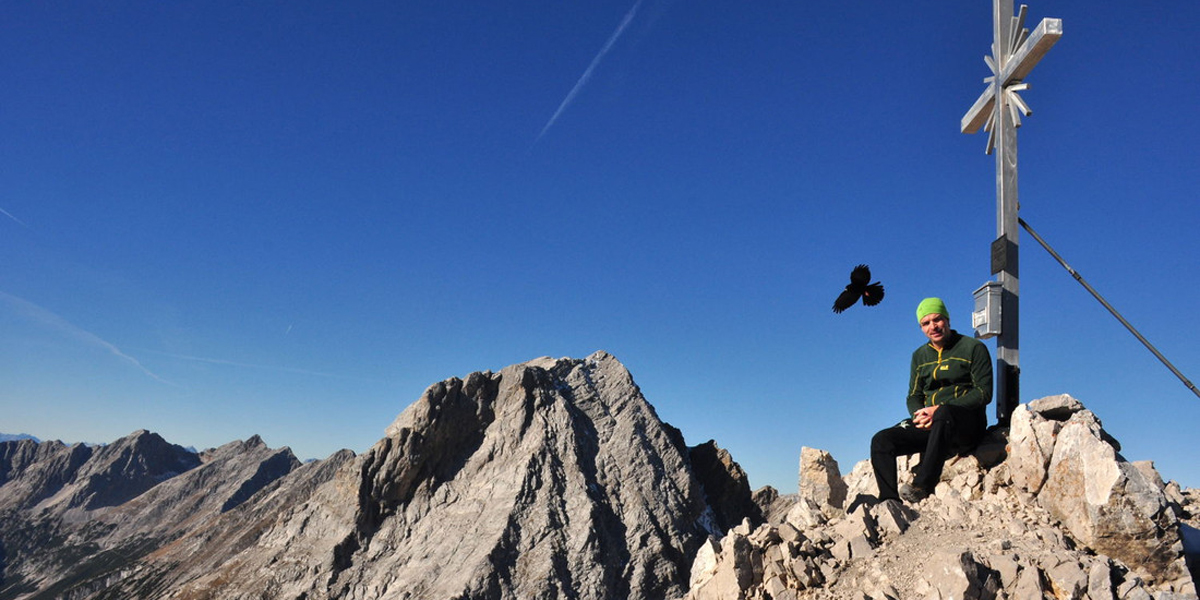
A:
[587,74]
[52,321]
[10,215]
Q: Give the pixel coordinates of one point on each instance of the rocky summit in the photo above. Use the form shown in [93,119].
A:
[1046,510]
[556,479]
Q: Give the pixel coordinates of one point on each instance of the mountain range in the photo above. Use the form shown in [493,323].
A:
[555,478]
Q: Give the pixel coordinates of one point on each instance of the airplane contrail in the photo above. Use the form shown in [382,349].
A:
[53,321]
[587,74]
[10,215]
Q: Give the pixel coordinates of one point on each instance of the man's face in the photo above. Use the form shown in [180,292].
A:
[935,327]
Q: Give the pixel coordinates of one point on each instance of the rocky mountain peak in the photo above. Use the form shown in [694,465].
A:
[549,466]
[124,469]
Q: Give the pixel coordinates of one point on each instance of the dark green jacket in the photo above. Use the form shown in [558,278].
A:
[961,374]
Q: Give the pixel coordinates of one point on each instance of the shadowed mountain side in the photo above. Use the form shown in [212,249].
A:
[31,472]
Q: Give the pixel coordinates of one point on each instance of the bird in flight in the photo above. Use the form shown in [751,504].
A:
[860,286]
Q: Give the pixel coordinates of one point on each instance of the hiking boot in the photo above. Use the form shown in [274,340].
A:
[913,493]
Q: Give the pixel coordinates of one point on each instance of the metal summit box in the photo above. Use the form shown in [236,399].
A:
[986,318]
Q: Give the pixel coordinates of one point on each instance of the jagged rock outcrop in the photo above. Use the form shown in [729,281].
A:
[821,482]
[1108,504]
[726,485]
[1064,516]
[552,478]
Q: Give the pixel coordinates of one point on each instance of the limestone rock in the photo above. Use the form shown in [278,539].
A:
[805,514]
[1099,586]
[955,574]
[1029,584]
[1020,528]
[1031,446]
[821,480]
[556,467]
[1056,408]
[1068,579]
[860,482]
[737,568]
[1108,504]
[772,505]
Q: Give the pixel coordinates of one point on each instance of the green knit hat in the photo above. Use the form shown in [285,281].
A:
[929,306]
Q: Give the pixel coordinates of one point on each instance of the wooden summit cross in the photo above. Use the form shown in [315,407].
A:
[1015,51]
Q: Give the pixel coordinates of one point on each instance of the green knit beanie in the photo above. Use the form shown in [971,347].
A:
[929,306]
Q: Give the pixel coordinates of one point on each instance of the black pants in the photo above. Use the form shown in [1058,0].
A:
[954,429]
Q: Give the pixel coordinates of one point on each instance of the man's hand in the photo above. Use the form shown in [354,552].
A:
[923,418]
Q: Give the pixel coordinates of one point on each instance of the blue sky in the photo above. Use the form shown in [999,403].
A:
[290,218]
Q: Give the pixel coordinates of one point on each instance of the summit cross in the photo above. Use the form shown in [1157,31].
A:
[1015,51]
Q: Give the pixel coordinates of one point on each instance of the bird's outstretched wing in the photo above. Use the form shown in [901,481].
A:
[845,300]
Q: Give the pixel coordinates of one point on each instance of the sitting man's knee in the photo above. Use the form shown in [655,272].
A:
[882,441]
[944,415]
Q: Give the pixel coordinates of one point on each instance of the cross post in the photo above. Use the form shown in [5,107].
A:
[1015,51]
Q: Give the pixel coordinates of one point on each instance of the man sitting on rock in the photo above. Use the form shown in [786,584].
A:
[950,386]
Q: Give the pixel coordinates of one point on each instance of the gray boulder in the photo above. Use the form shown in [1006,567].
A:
[821,481]
[1108,504]
[1031,446]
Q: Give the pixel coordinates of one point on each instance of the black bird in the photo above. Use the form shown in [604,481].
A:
[871,293]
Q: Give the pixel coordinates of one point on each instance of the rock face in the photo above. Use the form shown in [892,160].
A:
[726,486]
[1064,516]
[552,478]
[821,481]
[549,478]
[1108,504]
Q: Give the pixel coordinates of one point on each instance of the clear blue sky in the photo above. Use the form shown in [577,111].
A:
[290,218]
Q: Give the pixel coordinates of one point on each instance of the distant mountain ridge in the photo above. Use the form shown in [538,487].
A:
[12,437]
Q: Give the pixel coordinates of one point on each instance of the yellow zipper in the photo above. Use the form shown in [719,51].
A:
[936,367]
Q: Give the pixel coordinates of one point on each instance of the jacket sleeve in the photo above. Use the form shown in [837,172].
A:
[979,393]
[916,394]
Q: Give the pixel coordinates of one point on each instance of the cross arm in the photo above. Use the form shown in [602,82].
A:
[1015,68]
[1035,47]
[980,111]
